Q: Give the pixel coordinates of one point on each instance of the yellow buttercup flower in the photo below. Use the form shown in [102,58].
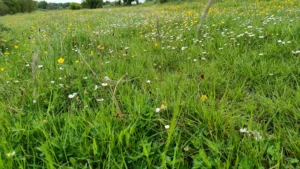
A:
[61,60]
[16,47]
[2,69]
[203,98]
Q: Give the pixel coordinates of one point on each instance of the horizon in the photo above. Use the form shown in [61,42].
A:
[77,1]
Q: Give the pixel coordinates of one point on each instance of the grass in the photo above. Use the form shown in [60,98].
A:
[133,87]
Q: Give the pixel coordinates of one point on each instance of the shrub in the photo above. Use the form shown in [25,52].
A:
[75,6]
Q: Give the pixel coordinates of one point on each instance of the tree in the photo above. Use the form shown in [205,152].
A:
[75,6]
[42,5]
[16,6]
[92,4]
[3,8]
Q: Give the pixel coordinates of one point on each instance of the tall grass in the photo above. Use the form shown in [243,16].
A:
[112,92]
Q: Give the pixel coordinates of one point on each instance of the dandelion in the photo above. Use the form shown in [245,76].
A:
[16,47]
[167,126]
[2,69]
[61,60]
[203,98]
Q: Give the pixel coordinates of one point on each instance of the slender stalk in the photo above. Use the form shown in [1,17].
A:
[203,15]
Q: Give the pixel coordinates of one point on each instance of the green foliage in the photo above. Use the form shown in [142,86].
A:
[75,6]
[3,8]
[42,5]
[133,88]
[92,4]
[20,6]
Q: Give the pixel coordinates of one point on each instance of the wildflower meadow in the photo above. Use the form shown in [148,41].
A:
[135,87]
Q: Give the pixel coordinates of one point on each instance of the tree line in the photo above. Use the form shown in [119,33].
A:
[26,6]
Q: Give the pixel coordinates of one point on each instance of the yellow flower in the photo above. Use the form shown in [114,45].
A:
[6,53]
[203,98]
[223,22]
[3,40]
[44,121]
[77,61]
[163,107]
[61,60]
[2,69]
[46,52]
[16,47]
[156,45]
[213,25]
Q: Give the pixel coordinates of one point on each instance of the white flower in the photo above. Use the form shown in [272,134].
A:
[107,78]
[167,126]
[195,60]
[34,101]
[11,154]
[52,82]
[148,81]
[261,54]
[96,87]
[157,110]
[243,130]
[27,65]
[100,100]
[40,66]
[256,135]
[184,48]
[71,96]
[104,84]
[296,52]
[60,68]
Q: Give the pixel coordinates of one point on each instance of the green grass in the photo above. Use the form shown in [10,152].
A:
[246,64]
